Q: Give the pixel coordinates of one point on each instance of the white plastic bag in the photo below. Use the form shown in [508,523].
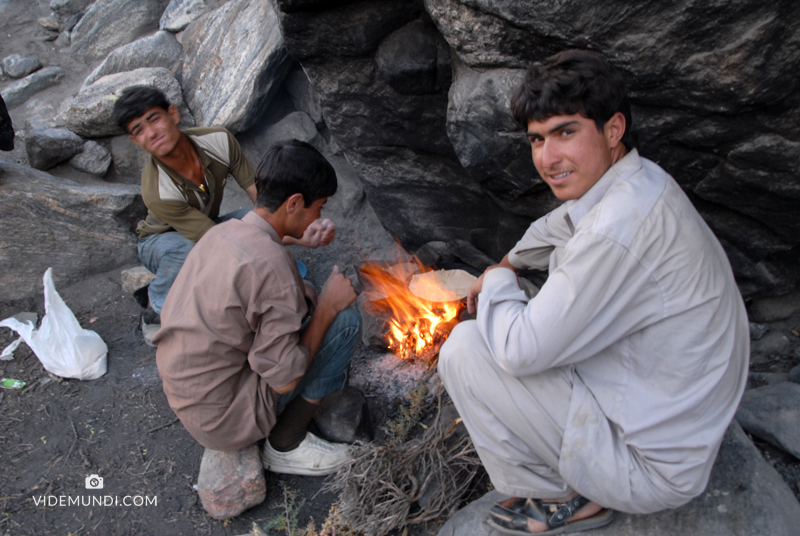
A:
[60,343]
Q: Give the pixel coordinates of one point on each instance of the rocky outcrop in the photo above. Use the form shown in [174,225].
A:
[229,76]
[715,100]
[21,90]
[158,50]
[109,24]
[744,496]
[77,230]
[89,113]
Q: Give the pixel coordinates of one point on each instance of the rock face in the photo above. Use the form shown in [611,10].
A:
[89,113]
[21,90]
[109,24]
[715,100]
[229,76]
[745,496]
[158,50]
[50,146]
[77,230]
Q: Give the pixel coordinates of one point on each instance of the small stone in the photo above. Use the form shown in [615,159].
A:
[93,159]
[230,482]
[135,278]
[21,90]
[794,375]
[757,331]
[16,66]
[343,416]
[49,23]
[47,147]
[63,39]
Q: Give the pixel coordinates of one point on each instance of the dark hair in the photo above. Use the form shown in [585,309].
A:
[135,101]
[290,167]
[573,82]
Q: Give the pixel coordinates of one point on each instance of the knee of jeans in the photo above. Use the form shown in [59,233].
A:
[349,320]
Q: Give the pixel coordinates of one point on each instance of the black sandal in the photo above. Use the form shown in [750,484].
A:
[511,516]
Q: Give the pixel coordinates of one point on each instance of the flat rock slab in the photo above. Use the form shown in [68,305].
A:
[90,112]
[772,413]
[22,90]
[229,76]
[78,230]
[93,159]
[109,24]
[158,50]
[180,13]
[230,482]
[47,147]
[745,497]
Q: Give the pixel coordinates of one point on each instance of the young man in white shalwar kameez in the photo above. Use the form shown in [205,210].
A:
[613,387]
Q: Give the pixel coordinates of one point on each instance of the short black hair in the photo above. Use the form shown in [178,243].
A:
[573,82]
[135,101]
[290,167]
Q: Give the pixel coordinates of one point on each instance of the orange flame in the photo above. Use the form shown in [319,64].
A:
[417,327]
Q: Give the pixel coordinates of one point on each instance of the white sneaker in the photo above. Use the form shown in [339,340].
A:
[313,457]
[148,332]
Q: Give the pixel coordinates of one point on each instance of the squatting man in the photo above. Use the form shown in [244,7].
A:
[613,387]
[241,355]
[183,182]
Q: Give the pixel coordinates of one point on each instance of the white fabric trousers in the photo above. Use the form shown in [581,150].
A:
[516,423]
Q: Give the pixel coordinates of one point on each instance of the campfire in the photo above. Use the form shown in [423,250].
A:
[420,305]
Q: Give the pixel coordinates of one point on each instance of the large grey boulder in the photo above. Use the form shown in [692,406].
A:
[396,141]
[18,92]
[180,13]
[490,144]
[744,497]
[712,104]
[109,24]
[16,66]
[772,413]
[295,126]
[93,159]
[158,50]
[77,230]
[90,112]
[50,146]
[229,76]
[128,159]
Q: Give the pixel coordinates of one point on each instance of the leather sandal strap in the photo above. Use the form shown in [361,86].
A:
[563,512]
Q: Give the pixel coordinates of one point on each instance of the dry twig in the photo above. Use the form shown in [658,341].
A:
[377,490]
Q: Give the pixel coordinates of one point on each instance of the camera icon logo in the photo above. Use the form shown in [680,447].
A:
[94,482]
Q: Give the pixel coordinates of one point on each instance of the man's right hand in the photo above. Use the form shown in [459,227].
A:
[337,293]
[477,286]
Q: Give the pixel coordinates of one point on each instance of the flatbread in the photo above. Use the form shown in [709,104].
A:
[442,285]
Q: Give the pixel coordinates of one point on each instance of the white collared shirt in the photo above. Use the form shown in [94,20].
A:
[642,303]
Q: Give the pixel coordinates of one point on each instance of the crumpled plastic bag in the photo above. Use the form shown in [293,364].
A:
[60,343]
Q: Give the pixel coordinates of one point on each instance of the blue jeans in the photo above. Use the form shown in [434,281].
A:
[164,255]
[328,371]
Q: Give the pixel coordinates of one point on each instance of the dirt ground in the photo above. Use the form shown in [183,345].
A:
[56,432]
